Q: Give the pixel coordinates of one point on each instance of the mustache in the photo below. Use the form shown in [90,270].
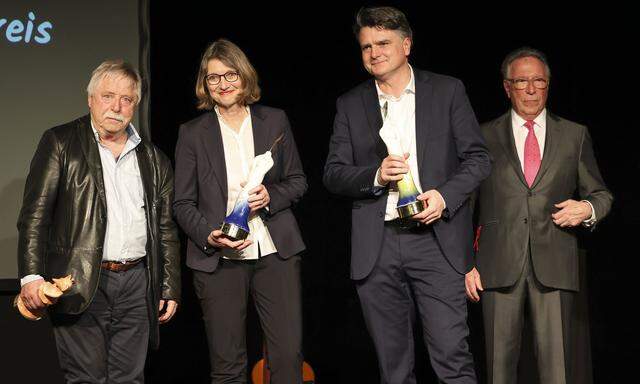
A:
[112,115]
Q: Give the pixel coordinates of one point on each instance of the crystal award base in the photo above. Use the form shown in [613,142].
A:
[234,231]
[410,209]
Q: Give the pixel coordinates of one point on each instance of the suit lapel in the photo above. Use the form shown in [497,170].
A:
[424,95]
[212,140]
[551,140]
[92,156]
[260,132]
[374,116]
[505,137]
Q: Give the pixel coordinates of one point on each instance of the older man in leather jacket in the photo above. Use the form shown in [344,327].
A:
[97,205]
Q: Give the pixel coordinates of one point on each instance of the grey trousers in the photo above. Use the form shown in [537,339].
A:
[504,314]
[412,277]
[274,284]
[107,343]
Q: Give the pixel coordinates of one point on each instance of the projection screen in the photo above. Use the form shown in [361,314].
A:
[47,52]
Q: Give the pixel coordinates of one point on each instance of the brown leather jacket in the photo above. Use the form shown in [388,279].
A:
[62,223]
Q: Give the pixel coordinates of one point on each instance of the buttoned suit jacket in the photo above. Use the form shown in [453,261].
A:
[515,217]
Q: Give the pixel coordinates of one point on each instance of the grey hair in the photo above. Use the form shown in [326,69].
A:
[115,67]
[521,53]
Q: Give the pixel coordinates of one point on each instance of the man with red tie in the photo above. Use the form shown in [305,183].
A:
[544,188]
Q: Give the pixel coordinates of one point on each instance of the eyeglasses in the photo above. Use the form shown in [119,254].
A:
[214,78]
[521,84]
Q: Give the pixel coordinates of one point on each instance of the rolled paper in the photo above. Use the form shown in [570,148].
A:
[236,224]
[408,203]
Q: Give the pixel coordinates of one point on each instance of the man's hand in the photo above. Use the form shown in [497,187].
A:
[393,168]
[571,213]
[218,239]
[172,306]
[30,297]
[434,202]
[473,284]
[258,198]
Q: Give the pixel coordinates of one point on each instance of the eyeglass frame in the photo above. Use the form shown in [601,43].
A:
[206,78]
[527,81]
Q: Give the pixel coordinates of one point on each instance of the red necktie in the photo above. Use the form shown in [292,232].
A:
[531,154]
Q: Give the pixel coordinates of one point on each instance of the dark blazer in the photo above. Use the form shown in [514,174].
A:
[63,219]
[201,183]
[452,158]
[514,216]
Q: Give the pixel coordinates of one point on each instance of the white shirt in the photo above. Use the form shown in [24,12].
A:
[238,156]
[126,232]
[520,132]
[402,112]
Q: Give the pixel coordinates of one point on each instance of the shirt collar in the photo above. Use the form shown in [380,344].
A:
[409,88]
[540,120]
[217,110]
[132,134]
[224,126]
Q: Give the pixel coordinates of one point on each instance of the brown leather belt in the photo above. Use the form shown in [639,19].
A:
[116,266]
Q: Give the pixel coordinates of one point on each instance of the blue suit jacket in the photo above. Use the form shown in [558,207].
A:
[452,158]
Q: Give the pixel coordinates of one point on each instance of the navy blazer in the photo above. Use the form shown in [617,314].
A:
[201,183]
[452,158]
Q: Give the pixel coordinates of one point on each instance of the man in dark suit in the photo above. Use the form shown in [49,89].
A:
[97,206]
[214,154]
[404,267]
[544,187]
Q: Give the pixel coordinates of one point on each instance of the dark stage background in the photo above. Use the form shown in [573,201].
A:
[306,56]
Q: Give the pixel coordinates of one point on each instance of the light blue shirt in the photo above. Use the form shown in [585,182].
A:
[126,236]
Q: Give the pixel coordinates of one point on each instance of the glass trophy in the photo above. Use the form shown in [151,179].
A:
[408,203]
[236,224]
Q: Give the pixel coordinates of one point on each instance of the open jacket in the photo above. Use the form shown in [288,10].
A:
[200,203]
[451,154]
[63,220]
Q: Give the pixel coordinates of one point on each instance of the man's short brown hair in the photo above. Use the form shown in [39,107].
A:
[383,18]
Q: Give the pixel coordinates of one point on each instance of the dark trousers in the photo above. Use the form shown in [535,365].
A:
[107,343]
[550,314]
[411,274]
[274,284]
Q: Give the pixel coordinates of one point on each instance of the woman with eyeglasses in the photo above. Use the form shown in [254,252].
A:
[214,155]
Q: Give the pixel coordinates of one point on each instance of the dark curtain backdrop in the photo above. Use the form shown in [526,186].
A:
[306,56]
